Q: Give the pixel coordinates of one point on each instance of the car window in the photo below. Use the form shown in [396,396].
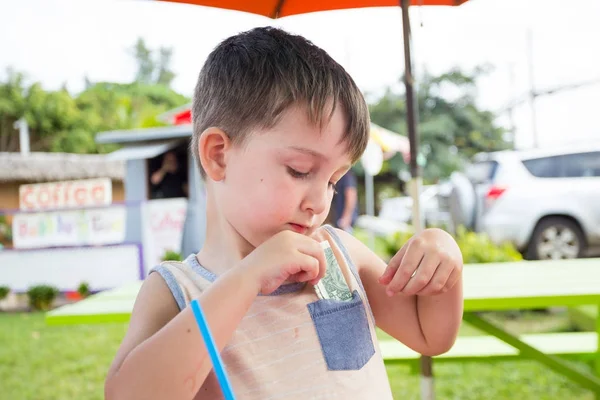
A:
[544,167]
[565,166]
[582,164]
[482,172]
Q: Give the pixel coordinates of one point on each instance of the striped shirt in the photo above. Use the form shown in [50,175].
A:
[292,344]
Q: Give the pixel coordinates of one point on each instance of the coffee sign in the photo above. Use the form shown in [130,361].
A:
[65,194]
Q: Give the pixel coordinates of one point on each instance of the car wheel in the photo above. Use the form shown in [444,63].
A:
[556,238]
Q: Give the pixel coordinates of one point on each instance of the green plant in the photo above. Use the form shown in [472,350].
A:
[172,256]
[4,291]
[5,229]
[383,246]
[41,296]
[84,289]
[395,241]
[476,248]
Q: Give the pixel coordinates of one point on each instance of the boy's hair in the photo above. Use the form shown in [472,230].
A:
[250,79]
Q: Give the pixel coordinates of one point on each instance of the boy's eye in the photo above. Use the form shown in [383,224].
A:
[303,175]
[297,174]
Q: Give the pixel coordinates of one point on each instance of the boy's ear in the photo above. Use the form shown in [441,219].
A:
[212,146]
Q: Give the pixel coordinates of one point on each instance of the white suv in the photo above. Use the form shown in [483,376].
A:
[545,202]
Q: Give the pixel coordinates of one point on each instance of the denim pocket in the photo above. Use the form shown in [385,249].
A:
[343,331]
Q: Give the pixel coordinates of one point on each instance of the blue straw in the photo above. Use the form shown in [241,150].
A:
[215,357]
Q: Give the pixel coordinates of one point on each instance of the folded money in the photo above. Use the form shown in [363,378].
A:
[333,285]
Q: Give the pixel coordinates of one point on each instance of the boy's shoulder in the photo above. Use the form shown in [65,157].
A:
[172,267]
[185,279]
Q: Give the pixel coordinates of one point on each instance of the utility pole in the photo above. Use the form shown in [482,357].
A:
[511,108]
[532,92]
[23,128]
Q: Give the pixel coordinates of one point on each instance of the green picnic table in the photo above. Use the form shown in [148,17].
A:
[487,287]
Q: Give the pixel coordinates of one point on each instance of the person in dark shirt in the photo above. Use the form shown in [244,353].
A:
[345,202]
[168,181]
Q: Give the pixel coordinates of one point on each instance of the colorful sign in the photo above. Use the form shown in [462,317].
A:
[69,228]
[162,228]
[65,194]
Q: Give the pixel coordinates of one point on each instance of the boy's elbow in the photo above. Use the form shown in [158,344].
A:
[109,392]
[438,348]
[434,351]
[112,389]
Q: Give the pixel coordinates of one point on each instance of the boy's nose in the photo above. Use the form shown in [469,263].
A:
[316,200]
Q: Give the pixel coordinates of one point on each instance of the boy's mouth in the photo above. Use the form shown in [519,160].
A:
[299,228]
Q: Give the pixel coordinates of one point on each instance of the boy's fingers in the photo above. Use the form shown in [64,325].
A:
[438,281]
[310,269]
[409,264]
[453,279]
[312,248]
[424,273]
[393,265]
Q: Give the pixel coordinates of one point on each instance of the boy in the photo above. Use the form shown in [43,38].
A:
[276,123]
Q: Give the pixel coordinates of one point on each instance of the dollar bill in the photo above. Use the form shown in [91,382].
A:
[332,285]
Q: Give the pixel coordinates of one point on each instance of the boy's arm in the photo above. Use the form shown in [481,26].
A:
[427,324]
[163,354]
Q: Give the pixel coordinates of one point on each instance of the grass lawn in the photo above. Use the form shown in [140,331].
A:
[69,362]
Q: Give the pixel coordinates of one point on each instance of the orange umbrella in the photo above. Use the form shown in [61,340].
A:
[285,8]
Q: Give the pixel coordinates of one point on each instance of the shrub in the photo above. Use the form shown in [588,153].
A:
[5,230]
[4,291]
[172,256]
[41,297]
[84,289]
[476,248]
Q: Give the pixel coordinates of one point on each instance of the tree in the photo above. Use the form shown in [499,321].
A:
[149,69]
[125,106]
[61,122]
[49,114]
[165,75]
[12,106]
[145,63]
[452,127]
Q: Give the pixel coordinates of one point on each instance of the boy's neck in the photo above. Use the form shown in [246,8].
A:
[223,247]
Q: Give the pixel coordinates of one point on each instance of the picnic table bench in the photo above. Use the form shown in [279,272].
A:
[577,345]
[584,317]
[487,287]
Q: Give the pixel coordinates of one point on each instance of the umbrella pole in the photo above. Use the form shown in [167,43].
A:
[427,387]
[370,205]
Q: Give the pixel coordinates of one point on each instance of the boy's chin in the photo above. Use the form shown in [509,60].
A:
[258,237]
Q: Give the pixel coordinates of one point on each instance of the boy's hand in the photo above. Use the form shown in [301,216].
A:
[287,256]
[428,264]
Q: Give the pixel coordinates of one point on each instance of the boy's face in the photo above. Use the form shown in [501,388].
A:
[283,178]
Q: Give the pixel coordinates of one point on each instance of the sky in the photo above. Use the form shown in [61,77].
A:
[62,41]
